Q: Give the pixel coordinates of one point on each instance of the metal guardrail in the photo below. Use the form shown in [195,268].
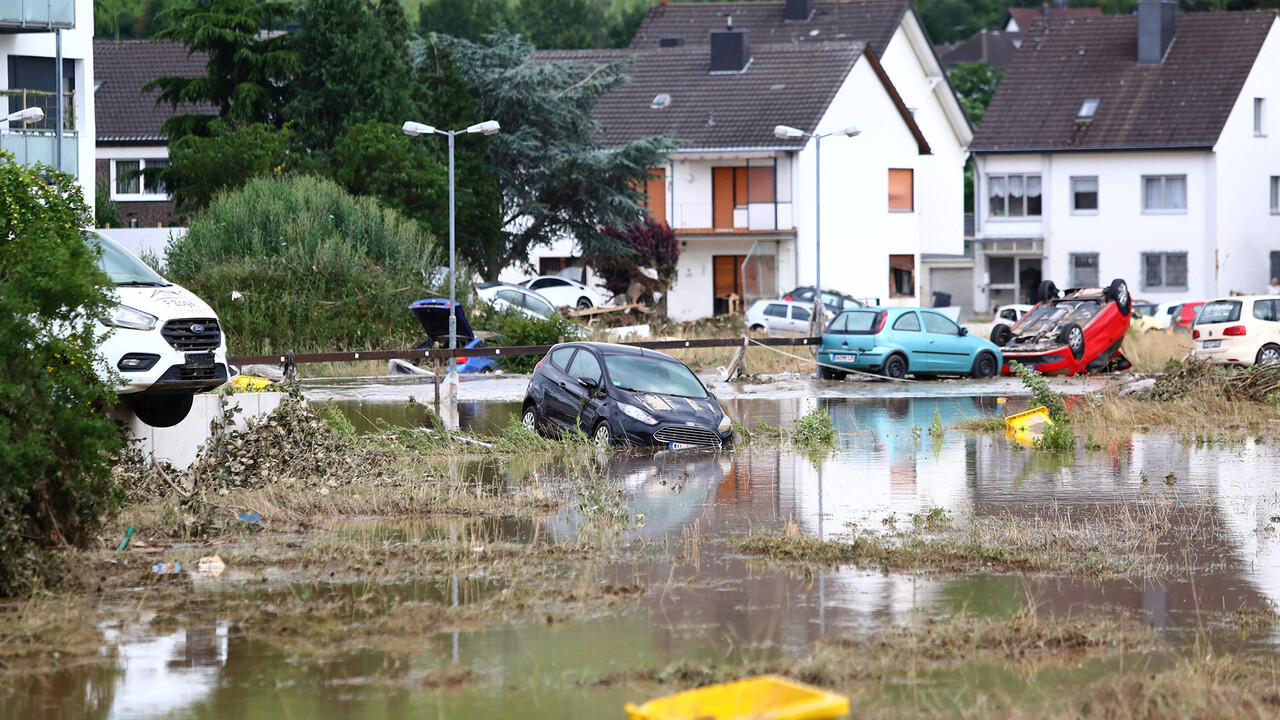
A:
[38,14]
[444,354]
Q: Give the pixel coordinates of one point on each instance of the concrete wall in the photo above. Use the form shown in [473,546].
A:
[180,445]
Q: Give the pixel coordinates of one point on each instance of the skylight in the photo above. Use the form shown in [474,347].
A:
[660,101]
[1087,109]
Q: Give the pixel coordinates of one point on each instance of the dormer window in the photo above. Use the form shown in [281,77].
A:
[660,101]
[1087,109]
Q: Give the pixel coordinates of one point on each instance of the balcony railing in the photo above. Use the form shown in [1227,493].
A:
[37,15]
[47,101]
[37,146]
[754,217]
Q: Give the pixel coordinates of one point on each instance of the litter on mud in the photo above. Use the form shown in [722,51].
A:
[762,698]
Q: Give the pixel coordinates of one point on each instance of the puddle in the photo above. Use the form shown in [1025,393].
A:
[706,604]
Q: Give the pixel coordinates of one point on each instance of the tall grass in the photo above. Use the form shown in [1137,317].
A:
[298,263]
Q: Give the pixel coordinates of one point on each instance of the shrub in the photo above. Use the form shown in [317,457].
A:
[313,267]
[55,443]
[815,429]
[1041,392]
[510,328]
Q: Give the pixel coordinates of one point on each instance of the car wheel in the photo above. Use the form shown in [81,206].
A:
[1046,291]
[757,327]
[1073,337]
[530,419]
[162,411]
[895,367]
[601,435]
[1268,354]
[584,303]
[826,373]
[1001,334]
[984,366]
[1118,292]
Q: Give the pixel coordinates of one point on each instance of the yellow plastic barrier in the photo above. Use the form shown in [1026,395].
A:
[250,383]
[1027,425]
[763,698]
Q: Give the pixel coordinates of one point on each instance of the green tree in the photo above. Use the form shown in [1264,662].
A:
[466,19]
[55,442]
[352,66]
[554,176]
[401,172]
[975,83]
[951,20]
[565,24]
[248,68]
[202,167]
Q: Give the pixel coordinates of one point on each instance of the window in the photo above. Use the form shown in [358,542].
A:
[736,188]
[1087,109]
[544,283]
[138,179]
[799,313]
[1220,312]
[1259,117]
[1263,310]
[939,325]
[1084,195]
[536,304]
[1013,196]
[655,194]
[901,190]
[1084,270]
[907,322]
[1275,194]
[902,275]
[560,357]
[777,310]
[585,365]
[1164,193]
[1164,271]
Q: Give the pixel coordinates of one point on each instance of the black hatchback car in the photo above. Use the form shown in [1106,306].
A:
[624,395]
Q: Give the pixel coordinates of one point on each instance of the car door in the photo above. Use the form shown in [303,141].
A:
[775,317]
[584,401]
[559,404]
[800,319]
[905,332]
[949,350]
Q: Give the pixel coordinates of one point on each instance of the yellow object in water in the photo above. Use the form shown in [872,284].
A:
[1027,425]
[763,698]
[250,383]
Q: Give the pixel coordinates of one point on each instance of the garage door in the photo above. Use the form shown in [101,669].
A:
[958,282]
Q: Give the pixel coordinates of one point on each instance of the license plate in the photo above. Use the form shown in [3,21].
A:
[680,446]
[199,360]
[1211,344]
[844,358]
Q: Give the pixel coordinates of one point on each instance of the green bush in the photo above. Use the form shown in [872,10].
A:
[815,429]
[1042,394]
[55,442]
[510,328]
[311,268]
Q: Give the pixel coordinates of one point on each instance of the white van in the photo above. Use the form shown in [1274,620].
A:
[165,344]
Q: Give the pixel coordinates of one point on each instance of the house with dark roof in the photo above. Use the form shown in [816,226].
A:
[1141,147]
[721,77]
[993,47]
[129,139]
[1019,20]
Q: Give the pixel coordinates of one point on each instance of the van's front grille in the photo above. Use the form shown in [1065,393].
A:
[190,334]
[686,435]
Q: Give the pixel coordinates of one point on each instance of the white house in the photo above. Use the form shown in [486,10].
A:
[1145,147]
[33,34]
[721,76]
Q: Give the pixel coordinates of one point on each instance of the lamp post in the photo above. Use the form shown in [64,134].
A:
[26,115]
[786,132]
[488,127]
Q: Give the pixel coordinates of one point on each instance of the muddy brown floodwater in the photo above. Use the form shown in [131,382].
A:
[702,601]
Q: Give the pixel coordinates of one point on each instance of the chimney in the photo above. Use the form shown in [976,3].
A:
[799,10]
[730,51]
[1155,30]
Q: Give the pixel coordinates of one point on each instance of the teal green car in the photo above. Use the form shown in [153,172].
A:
[896,342]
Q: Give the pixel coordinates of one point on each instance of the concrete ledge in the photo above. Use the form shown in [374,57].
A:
[180,445]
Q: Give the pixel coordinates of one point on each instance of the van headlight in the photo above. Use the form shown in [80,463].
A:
[127,317]
[632,411]
[725,424]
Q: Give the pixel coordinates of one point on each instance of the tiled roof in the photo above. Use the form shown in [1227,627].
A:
[784,85]
[869,21]
[994,47]
[1026,17]
[1182,102]
[120,69]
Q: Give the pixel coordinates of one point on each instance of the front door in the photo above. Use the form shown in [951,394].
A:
[726,281]
[948,349]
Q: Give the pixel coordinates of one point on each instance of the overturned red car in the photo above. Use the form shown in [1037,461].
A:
[1069,333]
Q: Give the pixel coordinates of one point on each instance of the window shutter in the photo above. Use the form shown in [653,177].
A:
[901,189]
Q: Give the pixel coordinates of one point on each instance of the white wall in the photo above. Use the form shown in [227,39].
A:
[1247,232]
[77,44]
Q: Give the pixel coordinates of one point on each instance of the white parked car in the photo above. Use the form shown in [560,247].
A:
[563,292]
[164,343]
[1011,314]
[779,316]
[1241,330]
[505,296]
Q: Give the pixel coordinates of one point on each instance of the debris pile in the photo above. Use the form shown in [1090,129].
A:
[1256,383]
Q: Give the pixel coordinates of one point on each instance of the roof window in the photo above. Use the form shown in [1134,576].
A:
[660,101]
[1087,109]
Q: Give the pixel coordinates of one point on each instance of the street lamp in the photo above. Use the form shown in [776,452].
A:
[489,127]
[785,132]
[26,115]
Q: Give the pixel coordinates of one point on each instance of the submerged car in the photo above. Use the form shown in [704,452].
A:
[165,344]
[1077,331]
[898,341]
[1241,330]
[620,394]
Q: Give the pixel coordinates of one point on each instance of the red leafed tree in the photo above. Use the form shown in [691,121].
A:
[654,249]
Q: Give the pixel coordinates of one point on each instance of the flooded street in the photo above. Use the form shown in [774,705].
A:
[697,599]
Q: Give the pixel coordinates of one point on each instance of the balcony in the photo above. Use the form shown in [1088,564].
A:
[37,15]
[37,146]
[752,217]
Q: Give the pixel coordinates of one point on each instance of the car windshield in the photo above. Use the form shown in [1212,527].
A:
[1219,312]
[643,374]
[122,267]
